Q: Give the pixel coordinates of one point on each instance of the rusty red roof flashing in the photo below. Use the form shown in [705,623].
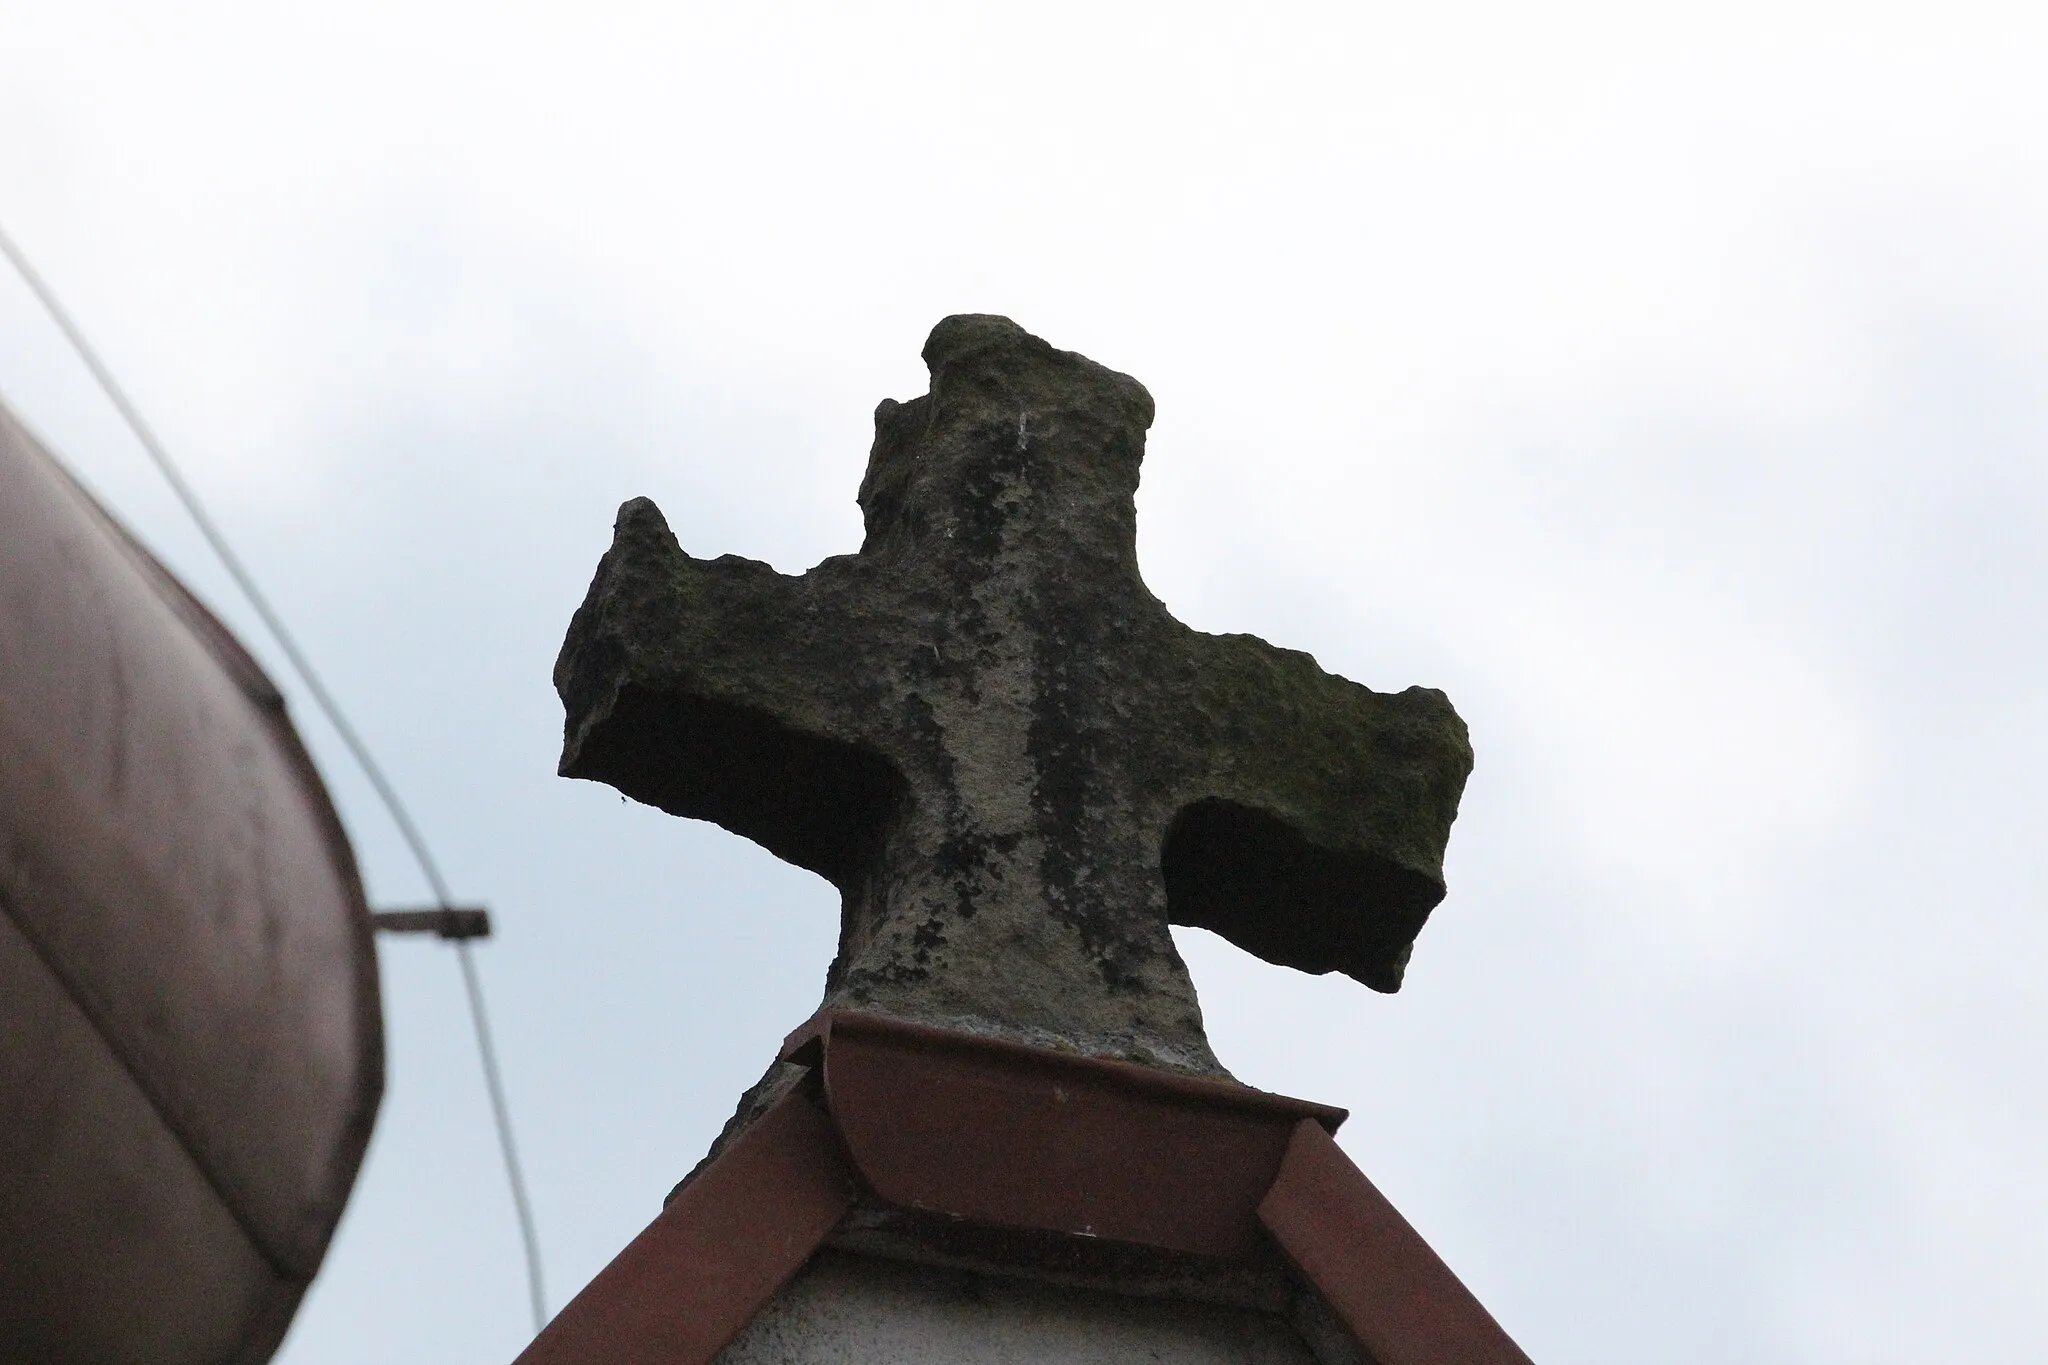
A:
[1006,1135]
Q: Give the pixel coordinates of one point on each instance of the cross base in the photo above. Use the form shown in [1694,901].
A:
[904,1143]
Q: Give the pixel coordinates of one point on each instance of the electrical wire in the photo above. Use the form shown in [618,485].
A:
[331,709]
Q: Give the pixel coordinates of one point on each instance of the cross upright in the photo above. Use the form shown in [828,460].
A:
[1016,766]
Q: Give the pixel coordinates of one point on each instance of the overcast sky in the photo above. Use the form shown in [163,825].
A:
[1669,391]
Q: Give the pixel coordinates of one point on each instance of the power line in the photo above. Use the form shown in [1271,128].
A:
[331,709]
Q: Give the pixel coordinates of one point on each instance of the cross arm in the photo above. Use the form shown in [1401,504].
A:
[1311,831]
[725,691]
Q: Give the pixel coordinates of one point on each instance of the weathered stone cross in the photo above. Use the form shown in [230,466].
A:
[1014,764]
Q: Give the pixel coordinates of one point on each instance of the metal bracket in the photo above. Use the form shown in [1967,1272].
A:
[445,921]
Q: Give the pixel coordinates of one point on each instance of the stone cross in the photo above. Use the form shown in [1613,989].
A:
[1014,764]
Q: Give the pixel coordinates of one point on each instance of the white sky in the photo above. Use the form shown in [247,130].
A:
[1667,389]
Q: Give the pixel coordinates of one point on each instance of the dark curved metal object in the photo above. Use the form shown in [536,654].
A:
[191,1045]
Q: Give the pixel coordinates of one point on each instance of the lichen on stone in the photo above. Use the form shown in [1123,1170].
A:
[1016,766]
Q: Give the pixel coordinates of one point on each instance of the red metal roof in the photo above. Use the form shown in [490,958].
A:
[1001,1135]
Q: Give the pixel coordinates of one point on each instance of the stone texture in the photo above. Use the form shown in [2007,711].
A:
[848,1310]
[1014,764]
